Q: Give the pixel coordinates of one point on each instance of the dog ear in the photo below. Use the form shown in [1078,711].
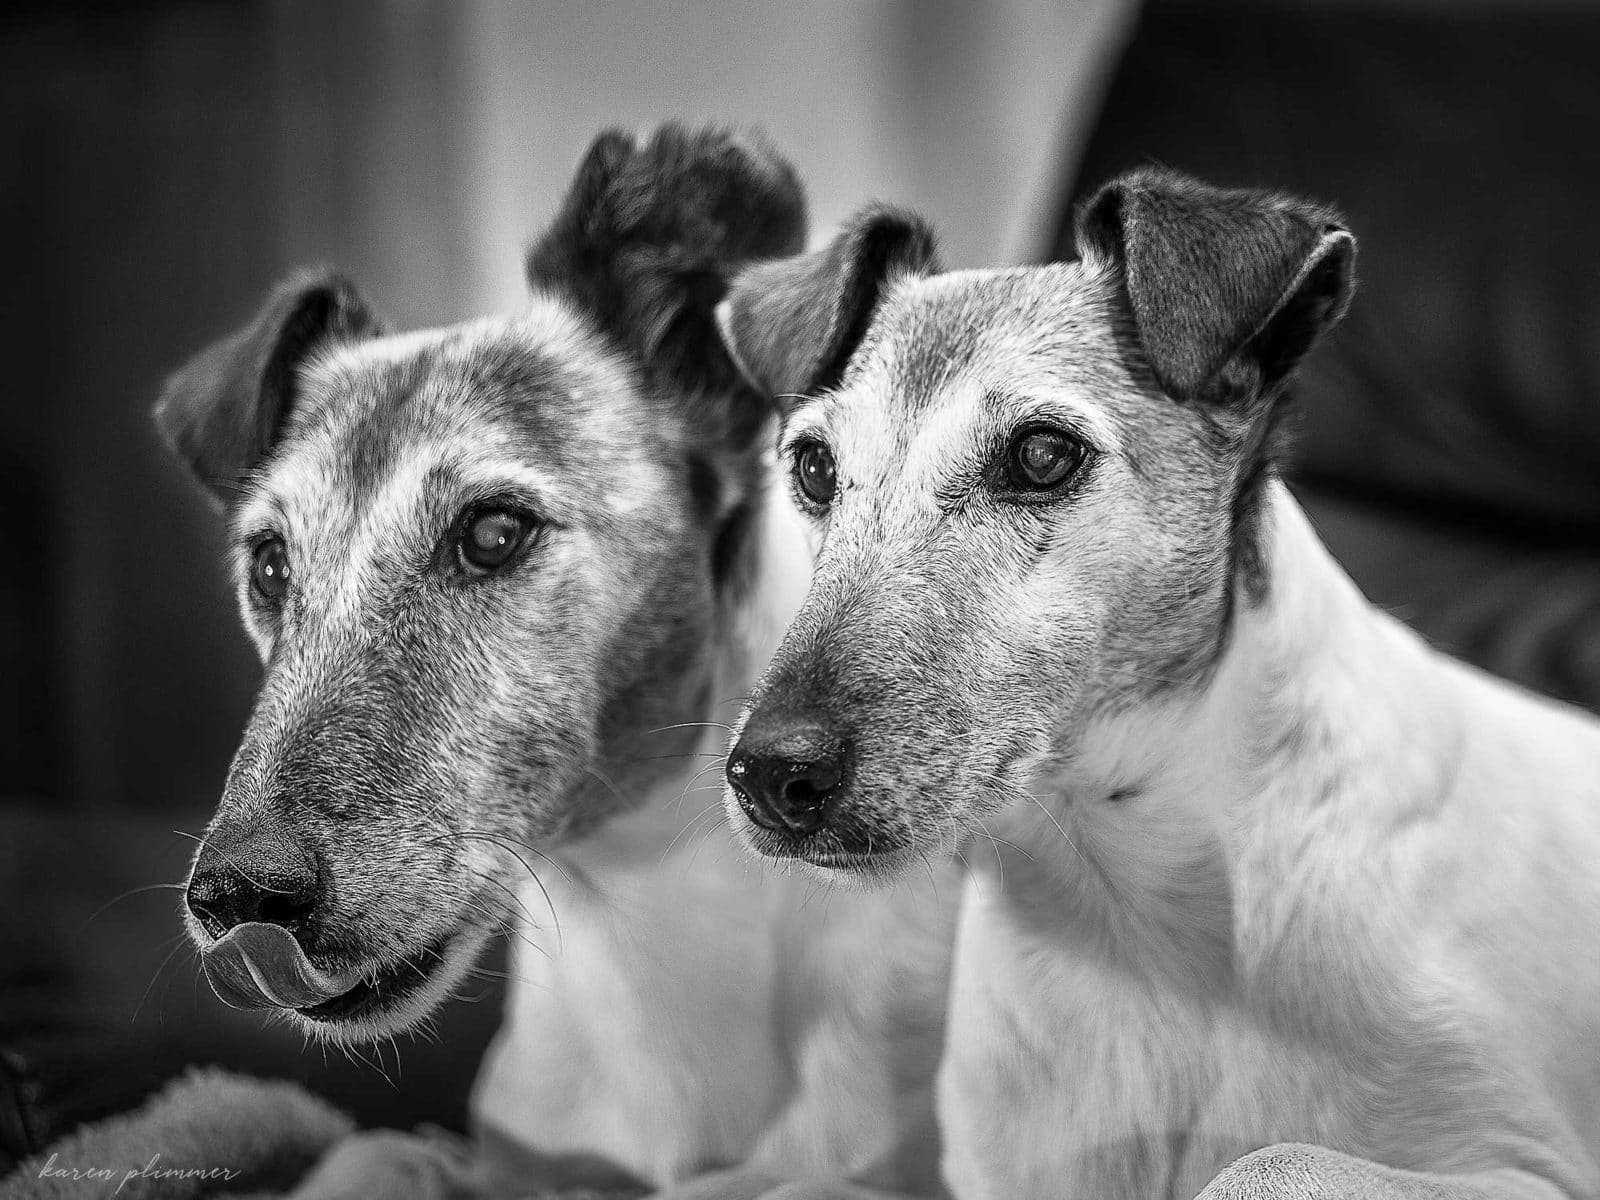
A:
[223,411]
[1228,289]
[649,235]
[793,324]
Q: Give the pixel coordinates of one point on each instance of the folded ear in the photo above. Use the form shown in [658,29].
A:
[793,324]
[649,235]
[224,410]
[1229,289]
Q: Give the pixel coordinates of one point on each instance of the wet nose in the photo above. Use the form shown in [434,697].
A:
[252,869]
[785,771]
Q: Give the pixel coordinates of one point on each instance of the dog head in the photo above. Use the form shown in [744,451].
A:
[477,563]
[1035,493]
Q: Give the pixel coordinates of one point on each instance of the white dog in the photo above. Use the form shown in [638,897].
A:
[1277,891]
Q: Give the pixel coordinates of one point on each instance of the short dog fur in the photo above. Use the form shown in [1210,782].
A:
[1276,900]
[430,732]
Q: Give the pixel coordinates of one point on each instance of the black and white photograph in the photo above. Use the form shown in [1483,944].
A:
[825,600]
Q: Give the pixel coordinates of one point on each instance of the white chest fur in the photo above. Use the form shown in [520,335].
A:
[697,1014]
[701,1009]
[1353,905]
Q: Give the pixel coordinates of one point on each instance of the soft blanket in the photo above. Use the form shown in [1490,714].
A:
[207,1134]
[211,1135]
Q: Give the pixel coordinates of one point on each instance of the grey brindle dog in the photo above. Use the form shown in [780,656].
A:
[429,532]
[502,576]
[1278,901]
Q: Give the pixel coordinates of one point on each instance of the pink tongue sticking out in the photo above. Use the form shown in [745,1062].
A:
[262,966]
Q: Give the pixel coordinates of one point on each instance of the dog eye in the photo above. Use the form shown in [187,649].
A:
[269,569]
[490,536]
[814,472]
[1040,460]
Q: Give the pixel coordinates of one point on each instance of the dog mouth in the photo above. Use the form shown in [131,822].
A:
[257,965]
[842,845]
[884,863]
[389,986]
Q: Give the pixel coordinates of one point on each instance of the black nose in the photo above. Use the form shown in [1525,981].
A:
[251,869]
[785,771]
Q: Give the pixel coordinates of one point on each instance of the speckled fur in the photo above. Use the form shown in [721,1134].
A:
[416,728]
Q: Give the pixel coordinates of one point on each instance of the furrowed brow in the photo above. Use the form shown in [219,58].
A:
[1086,422]
[482,481]
[260,515]
[811,423]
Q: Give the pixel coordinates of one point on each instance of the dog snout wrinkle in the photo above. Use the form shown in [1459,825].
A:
[252,871]
[786,771]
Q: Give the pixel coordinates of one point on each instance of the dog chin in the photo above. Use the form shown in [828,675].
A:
[821,856]
[399,999]
[861,872]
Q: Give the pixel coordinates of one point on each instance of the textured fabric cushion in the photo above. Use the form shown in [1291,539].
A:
[1451,426]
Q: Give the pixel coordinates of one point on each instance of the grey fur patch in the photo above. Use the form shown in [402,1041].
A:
[1219,278]
[793,323]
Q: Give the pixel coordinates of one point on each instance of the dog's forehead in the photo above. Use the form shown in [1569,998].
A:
[968,350]
[990,323]
[537,385]
[540,398]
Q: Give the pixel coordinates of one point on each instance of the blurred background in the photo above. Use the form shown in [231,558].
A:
[164,163]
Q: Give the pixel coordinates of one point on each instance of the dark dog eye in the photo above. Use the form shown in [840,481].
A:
[491,536]
[269,569]
[1040,460]
[814,471]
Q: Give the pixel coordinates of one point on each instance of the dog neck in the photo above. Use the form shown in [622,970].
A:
[687,789]
[1316,696]
[681,961]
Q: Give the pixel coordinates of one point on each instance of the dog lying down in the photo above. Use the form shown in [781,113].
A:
[504,578]
[1282,902]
